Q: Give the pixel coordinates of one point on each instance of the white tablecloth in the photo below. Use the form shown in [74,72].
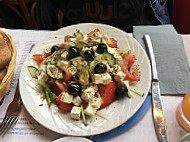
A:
[27,129]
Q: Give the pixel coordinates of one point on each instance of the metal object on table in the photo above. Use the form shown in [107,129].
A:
[15,106]
[12,113]
[158,117]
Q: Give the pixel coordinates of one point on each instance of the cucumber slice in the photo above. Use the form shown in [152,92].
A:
[130,95]
[92,65]
[83,116]
[34,72]
[49,95]
[138,92]
[109,58]
[54,72]
[56,57]
[105,116]
[84,75]
[80,45]
[106,57]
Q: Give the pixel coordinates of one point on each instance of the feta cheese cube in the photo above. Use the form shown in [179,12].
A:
[76,112]
[94,48]
[69,44]
[78,62]
[73,39]
[96,102]
[47,51]
[88,94]
[94,86]
[72,69]
[42,68]
[63,64]
[64,55]
[101,78]
[106,78]
[42,74]
[118,58]
[43,77]
[89,110]
[119,76]
[85,36]
[77,101]
[116,54]
[66,98]
[112,50]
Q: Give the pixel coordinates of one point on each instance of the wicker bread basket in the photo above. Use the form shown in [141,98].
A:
[7,79]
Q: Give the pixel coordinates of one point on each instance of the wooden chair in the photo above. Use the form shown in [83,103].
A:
[21,8]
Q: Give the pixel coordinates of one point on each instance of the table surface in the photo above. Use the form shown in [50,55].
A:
[143,131]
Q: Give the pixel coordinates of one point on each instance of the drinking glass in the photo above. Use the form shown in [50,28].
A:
[183,112]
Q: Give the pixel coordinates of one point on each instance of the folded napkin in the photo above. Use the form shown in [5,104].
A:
[172,63]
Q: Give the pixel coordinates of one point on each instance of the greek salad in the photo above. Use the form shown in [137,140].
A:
[86,73]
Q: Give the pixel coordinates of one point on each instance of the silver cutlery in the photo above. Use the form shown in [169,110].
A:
[12,113]
[158,117]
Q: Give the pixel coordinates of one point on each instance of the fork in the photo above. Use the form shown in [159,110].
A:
[12,113]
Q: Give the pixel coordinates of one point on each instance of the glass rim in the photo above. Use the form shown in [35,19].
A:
[182,120]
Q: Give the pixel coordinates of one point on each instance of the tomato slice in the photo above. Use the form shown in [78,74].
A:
[129,59]
[38,57]
[112,43]
[47,54]
[107,93]
[55,89]
[132,76]
[61,85]
[62,46]
[64,106]
[94,31]
[67,75]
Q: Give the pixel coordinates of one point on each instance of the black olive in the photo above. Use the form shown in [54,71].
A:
[102,48]
[74,89]
[54,48]
[100,68]
[73,52]
[88,55]
[121,91]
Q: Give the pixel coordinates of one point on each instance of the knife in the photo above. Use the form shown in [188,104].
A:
[158,117]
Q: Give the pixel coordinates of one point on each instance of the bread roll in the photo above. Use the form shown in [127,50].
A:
[5,52]
[2,74]
[7,62]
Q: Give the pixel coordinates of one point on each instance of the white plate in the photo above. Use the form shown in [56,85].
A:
[118,112]
[185,138]
[72,139]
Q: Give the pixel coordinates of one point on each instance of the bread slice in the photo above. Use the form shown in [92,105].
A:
[2,74]
[5,52]
[7,62]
